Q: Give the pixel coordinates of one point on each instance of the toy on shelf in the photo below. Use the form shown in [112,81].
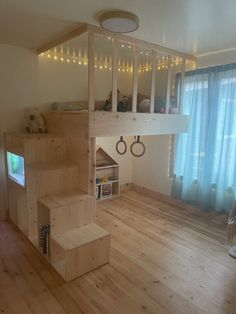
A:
[106,190]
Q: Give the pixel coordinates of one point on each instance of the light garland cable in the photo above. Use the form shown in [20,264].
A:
[106,63]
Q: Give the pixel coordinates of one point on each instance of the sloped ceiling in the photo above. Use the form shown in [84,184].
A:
[191,26]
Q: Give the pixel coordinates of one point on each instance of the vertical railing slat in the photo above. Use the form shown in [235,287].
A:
[153,80]
[181,85]
[114,74]
[135,80]
[91,74]
[168,85]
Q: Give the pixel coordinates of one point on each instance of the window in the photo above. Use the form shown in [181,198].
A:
[205,157]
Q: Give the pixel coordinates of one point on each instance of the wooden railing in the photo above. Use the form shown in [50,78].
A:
[136,49]
[136,45]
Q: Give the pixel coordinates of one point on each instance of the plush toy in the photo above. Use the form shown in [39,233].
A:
[144,105]
[34,122]
[108,102]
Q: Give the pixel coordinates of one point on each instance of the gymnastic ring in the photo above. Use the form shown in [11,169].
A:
[117,146]
[137,142]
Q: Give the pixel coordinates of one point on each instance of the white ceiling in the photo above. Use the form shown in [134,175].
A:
[191,26]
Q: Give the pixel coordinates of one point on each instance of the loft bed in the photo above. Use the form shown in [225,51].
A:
[51,177]
[139,77]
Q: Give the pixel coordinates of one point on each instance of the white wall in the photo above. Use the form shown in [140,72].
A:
[152,170]
[220,58]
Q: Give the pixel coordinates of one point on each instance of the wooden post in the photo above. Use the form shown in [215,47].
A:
[92,170]
[114,74]
[168,85]
[135,80]
[181,85]
[153,80]
[91,73]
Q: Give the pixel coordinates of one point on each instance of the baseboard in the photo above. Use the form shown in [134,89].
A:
[221,219]
[126,187]
[154,194]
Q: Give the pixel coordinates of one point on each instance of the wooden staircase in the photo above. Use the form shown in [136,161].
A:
[53,197]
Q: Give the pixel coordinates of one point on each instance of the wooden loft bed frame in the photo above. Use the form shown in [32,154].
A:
[113,123]
[60,166]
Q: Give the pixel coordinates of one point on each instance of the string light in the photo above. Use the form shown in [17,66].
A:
[105,63]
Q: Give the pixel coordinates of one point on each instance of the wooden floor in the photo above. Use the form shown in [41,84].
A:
[163,260]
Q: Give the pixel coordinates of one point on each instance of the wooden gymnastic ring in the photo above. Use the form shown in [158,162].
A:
[137,142]
[117,146]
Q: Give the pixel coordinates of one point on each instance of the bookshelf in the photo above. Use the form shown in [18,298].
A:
[107,175]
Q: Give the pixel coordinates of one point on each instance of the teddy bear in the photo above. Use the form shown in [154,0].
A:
[34,122]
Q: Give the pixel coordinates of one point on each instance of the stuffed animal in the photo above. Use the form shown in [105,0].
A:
[144,105]
[34,122]
[108,102]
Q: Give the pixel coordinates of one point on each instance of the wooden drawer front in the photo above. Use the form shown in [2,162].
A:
[87,257]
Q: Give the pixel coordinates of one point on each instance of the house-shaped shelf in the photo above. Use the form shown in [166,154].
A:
[107,175]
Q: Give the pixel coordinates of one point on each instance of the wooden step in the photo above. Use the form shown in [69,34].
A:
[66,211]
[63,199]
[80,250]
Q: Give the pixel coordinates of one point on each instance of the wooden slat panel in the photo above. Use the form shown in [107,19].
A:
[135,80]
[153,80]
[128,123]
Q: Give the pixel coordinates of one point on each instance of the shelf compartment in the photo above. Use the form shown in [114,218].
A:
[79,251]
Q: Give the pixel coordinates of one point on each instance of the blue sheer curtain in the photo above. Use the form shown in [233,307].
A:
[205,157]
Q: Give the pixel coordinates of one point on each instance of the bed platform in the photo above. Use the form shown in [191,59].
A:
[128,123]
[133,67]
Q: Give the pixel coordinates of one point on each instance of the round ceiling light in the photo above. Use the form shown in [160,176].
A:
[119,21]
